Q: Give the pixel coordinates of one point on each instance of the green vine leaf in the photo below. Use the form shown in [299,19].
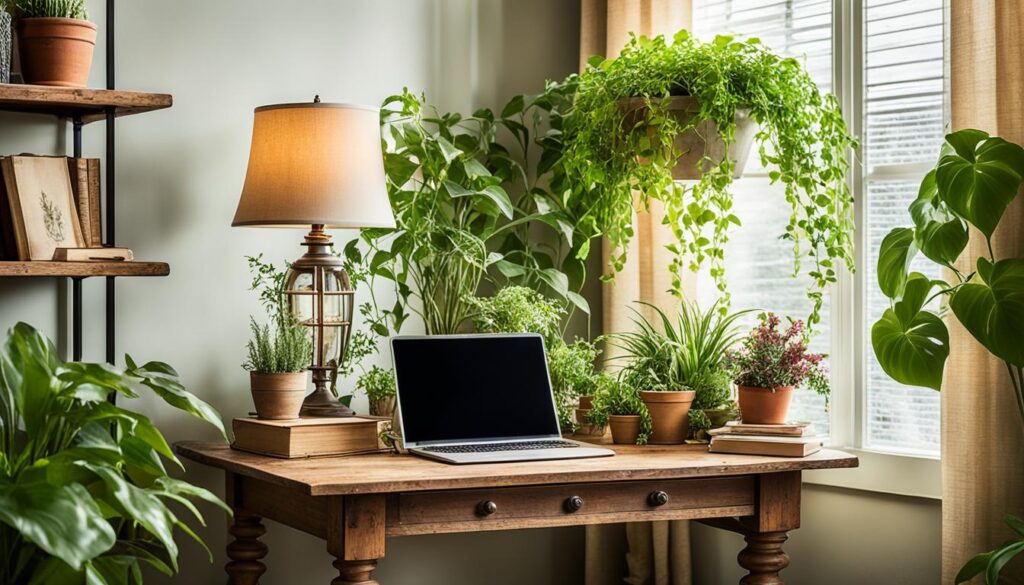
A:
[894,257]
[980,178]
[992,310]
[940,235]
[912,344]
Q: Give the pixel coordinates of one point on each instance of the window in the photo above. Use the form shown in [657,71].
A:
[892,74]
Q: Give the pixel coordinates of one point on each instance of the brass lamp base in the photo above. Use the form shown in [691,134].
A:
[323,403]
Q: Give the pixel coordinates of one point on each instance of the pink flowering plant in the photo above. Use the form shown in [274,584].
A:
[773,358]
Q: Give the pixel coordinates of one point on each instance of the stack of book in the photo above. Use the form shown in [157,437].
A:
[786,440]
[311,437]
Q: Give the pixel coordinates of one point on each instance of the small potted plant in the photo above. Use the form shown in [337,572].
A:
[713,403]
[277,368]
[617,405]
[379,386]
[55,42]
[769,365]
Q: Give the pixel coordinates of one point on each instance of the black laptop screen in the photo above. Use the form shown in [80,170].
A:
[473,387]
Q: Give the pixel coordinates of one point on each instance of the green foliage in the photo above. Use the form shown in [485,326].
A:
[614,396]
[609,155]
[78,503]
[975,180]
[449,180]
[571,367]
[50,8]
[289,348]
[699,421]
[517,309]
[713,388]
[684,355]
[773,358]
[377,383]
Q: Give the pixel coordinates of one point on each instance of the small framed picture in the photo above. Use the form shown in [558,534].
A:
[42,205]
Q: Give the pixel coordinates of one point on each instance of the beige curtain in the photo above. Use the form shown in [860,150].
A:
[641,553]
[982,451]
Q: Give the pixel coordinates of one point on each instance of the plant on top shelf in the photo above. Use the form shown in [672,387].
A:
[279,352]
[618,405]
[769,365]
[78,503]
[663,107]
[379,386]
[673,363]
[976,178]
[55,41]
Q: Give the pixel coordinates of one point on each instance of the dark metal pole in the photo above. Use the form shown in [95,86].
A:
[76,283]
[111,181]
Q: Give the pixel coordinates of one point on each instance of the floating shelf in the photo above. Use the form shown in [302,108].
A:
[83,269]
[90,104]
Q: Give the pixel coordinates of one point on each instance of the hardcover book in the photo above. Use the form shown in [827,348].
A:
[773,446]
[311,437]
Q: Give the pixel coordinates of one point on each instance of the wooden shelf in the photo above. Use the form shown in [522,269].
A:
[90,104]
[83,269]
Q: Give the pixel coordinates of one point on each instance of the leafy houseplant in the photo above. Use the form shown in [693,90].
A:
[977,177]
[769,365]
[55,41]
[78,502]
[278,357]
[614,150]
[618,405]
[571,366]
[379,385]
[672,363]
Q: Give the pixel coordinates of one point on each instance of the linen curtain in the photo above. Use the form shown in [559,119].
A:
[982,451]
[638,553]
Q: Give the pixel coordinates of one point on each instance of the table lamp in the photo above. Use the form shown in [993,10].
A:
[317,166]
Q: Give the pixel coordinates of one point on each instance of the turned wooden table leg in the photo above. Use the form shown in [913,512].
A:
[763,558]
[355,572]
[246,550]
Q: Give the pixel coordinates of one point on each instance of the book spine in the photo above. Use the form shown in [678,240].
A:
[95,225]
[79,174]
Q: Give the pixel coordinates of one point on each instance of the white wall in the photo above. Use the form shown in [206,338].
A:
[179,174]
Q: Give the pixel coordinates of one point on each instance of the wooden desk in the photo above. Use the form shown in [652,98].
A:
[355,502]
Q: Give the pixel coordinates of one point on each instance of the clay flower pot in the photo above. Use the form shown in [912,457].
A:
[278,396]
[625,428]
[701,141]
[586,402]
[585,426]
[670,423]
[56,51]
[382,406]
[765,406]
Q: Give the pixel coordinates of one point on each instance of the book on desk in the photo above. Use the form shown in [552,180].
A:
[784,440]
[311,437]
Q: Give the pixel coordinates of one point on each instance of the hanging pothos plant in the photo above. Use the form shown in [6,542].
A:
[618,157]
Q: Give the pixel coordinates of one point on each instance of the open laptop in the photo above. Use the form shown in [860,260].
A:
[479,399]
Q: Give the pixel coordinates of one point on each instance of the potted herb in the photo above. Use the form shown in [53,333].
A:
[55,42]
[663,110]
[713,403]
[379,386]
[571,366]
[618,405]
[769,365]
[666,364]
[78,503]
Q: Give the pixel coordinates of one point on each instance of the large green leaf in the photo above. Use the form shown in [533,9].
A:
[912,344]
[163,380]
[980,178]
[993,309]
[894,258]
[940,235]
[63,521]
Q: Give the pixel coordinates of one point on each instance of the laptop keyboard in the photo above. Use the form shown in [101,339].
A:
[492,447]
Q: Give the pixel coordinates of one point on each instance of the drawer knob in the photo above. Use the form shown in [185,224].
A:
[573,504]
[486,508]
[658,498]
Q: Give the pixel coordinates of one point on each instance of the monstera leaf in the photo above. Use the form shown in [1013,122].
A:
[912,344]
[980,178]
[940,235]
[992,309]
[894,258]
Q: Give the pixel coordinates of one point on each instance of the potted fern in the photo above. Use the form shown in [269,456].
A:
[55,41]
[618,405]
[664,110]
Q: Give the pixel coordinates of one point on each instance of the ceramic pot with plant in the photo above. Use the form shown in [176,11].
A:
[277,368]
[768,367]
[379,386]
[618,405]
[666,360]
[55,42]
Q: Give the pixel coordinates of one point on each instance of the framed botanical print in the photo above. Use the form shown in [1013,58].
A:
[42,205]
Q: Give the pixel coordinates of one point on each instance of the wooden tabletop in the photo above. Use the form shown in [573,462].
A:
[361,474]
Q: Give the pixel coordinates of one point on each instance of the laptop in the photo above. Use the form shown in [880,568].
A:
[479,399]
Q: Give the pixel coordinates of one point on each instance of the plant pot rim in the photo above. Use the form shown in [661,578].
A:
[761,389]
[253,373]
[621,416]
[58,20]
[676,102]
[667,395]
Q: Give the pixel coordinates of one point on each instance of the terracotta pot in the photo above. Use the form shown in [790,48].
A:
[669,415]
[625,428]
[382,406]
[56,51]
[585,427]
[765,406]
[702,140]
[278,396]
[586,402]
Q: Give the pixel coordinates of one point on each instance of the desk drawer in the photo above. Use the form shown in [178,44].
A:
[570,504]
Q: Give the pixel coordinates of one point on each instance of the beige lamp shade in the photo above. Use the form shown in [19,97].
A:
[315,163]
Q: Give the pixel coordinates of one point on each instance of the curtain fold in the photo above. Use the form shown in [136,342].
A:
[982,450]
[640,553]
